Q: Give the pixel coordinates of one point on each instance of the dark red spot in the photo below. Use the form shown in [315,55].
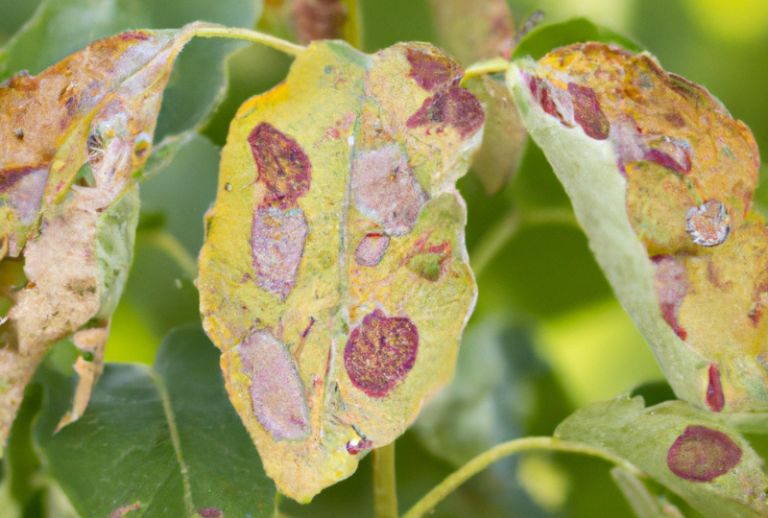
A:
[701,454]
[671,285]
[134,35]
[455,106]
[380,353]
[431,69]
[715,396]
[661,158]
[354,449]
[122,511]
[309,327]
[548,105]
[283,166]
[587,112]
[210,512]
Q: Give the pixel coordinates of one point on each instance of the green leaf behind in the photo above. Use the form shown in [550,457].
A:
[165,438]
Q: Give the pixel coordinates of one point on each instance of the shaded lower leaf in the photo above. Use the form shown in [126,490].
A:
[504,136]
[687,450]
[643,502]
[162,440]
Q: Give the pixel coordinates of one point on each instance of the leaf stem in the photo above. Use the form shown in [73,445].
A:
[384,486]
[505,229]
[485,459]
[168,243]
[481,68]
[211,31]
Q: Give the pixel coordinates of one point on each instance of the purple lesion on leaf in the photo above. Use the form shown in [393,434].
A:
[385,189]
[456,107]
[715,397]
[587,112]
[370,251]
[701,454]
[23,190]
[277,392]
[283,166]
[209,512]
[279,229]
[380,353]
[671,286]
[432,70]
[277,246]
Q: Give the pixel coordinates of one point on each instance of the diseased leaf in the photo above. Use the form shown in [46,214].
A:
[309,20]
[334,276]
[687,450]
[62,27]
[72,142]
[661,178]
[168,431]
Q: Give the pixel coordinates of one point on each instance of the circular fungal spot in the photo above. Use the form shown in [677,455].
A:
[709,224]
[702,454]
[380,353]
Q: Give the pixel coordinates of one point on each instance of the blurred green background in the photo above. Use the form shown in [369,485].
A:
[547,336]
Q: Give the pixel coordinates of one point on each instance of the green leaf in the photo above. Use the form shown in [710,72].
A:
[164,439]
[716,470]
[545,38]
[61,27]
[643,502]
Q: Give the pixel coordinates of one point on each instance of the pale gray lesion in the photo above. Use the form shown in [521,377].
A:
[385,188]
[277,244]
[370,251]
[277,393]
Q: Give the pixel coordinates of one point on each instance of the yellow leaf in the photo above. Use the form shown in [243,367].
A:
[334,276]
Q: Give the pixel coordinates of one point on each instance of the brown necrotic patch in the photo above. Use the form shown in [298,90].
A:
[279,229]
[456,107]
[283,166]
[319,19]
[702,454]
[277,392]
[380,353]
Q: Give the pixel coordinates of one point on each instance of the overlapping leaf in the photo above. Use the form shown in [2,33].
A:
[73,140]
[661,178]
[159,441]
[334,276]
[687,450]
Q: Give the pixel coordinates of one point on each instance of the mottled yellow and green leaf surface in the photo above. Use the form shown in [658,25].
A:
[72,140]
[661,178]
[334,277]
